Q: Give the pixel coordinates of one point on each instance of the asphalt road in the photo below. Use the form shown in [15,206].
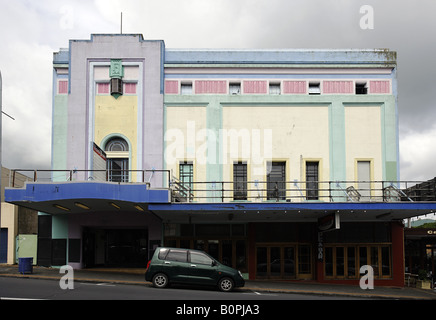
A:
[23,289]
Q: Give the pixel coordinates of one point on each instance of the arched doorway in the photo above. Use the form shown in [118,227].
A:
[117,152]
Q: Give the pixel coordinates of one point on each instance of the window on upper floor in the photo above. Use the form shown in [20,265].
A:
[274,88]
[186,175]
[314,88]
[276,180]
[240,180]
[361,88]
[234,88]
[117,162]
[186,88]
[312,169]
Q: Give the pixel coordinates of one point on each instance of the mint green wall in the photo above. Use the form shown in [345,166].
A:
[59,227]
[59,136]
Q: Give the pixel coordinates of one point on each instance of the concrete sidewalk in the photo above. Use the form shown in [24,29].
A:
[136,276]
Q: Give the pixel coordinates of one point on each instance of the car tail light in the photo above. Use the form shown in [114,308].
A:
[148,264]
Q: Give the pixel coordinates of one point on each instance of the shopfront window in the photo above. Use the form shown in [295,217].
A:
[292,261]
[341,261]
[224,242]
[304,259]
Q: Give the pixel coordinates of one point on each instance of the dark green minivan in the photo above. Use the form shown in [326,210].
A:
[186,266]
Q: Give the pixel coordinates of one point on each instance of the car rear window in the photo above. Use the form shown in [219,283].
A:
[197,257]
[177,255]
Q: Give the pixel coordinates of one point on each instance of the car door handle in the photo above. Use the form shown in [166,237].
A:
[167,262]
[193,265]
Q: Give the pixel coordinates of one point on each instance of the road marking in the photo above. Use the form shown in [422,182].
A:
[98,284]
[9,298]
[260,294]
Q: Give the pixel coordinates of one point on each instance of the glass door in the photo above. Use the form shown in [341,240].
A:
[289,262]
[280,261]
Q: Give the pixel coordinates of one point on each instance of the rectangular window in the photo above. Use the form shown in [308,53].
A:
[363,256]
[304,259]
[177,255]
[239,181]
[374,261]
[364,178]
[276,181]
[275,261]
[312,180]
[261,261]
[235,88]
[340,261]
[118,169]
[274,88]
[361,88]
[314,88]
[386,261]
[186,177]
[186,88]
[351,262]
[328,261]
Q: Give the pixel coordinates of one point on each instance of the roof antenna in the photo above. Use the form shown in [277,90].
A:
[121,23]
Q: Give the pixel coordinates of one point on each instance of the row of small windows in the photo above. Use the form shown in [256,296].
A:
[275,184]
[278,87]
[247,87]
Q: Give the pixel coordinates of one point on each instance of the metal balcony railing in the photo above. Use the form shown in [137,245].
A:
[252,191]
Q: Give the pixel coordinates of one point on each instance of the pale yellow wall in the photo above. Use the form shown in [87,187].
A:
[298,133]
[363,140]
[117,116]
[185,140]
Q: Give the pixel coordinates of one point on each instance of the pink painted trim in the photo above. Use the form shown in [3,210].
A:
[130,88]
[63,87]
[294,87]
[338,87]
[171,87]
[103,88]
[255,87]
[379,86]
[210,86]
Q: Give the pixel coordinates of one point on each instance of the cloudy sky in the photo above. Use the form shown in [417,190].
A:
[32,30]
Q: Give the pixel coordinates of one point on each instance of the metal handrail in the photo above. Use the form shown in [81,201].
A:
[227,191]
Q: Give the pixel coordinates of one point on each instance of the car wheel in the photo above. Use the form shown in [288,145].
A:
[226,284]
[160,280]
